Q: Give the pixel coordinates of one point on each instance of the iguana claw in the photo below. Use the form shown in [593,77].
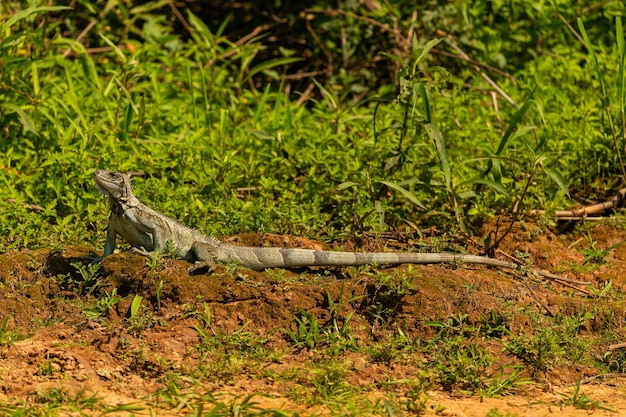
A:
[201,267]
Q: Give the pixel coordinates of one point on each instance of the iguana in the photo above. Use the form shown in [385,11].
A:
[149,231]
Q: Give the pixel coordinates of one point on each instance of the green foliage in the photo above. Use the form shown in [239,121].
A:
[329,382]
[307,334]
[238,406]
[158,291]
[552,344]
[334,336]
[138,317]
[134,307]
[460,361]
[102,305]
[396,131]
[386,299]
[8,336]
[155,261]
[392,347]
[605,99]
[595,255]
[213,338]
[85,279]
[461,364]
[582,401]
[60,401]
[187,112]
[504,382]
[494,412]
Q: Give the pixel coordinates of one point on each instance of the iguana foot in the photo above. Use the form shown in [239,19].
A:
[141,251]
[201,267]
[93,258]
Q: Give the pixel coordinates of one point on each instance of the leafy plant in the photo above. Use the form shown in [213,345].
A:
[595,255]
[308,332]
[158,290]
[329,382]
[88,276]
[621,93]
[460,364]
[495,325]
[386,297]
[539,352]
[134,307]
[579,400]
[503,382]
[103,305]
[451,326]
[337,331]
[240,405]
[335,335]
[239,340]
[8,336]
[154,262]
[246,136]
[494,412]
[137,321]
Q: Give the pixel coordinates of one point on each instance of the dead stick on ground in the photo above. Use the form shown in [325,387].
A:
[617,346]
[562,280]
[583,212]
[599,376]
[567,284]
[539,300]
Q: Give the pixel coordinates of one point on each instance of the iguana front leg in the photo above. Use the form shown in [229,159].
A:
[109,244]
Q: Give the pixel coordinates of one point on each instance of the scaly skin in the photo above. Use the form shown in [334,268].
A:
[148,231]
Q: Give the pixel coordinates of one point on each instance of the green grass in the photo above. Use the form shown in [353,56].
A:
[582,401]
[8,335]
[59,401]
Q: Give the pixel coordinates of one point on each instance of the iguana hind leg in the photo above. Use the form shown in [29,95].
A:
[205,257]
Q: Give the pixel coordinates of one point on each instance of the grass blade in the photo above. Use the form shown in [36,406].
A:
[134,306]
[437,137]
[25,13]
[26,121]
[409,195]
[508,134]
[558,180]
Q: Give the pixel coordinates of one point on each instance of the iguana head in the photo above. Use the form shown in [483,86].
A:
[115,186]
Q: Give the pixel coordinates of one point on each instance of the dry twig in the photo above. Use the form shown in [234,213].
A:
[583,212]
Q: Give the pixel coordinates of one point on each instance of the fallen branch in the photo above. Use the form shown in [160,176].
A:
[583,212]
[617,346]
[599,376]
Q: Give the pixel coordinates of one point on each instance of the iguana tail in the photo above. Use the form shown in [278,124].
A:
[261,258]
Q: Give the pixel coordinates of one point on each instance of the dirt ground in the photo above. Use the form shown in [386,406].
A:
[48,341]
